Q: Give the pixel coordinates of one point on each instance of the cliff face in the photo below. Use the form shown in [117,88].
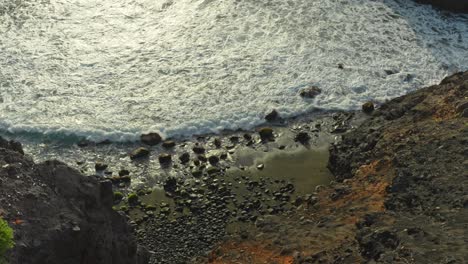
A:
[60,216]
[452,5]
[416,146]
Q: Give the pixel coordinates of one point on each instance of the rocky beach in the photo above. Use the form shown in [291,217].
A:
[394,192]
[244,132]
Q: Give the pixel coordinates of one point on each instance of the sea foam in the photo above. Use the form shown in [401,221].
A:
[113,69]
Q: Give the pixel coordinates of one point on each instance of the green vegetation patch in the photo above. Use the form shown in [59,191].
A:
[6,239]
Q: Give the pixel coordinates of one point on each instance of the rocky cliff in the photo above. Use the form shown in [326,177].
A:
[60,216]
[452,5]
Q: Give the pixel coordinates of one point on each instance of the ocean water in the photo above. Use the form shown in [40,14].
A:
[113,69]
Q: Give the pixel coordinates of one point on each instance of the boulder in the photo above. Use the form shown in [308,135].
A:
[184,157]
[139,153]
[151,139]
[310,92]
[368,107]
[164,158]
[302,137]
[168,144]
[198,149]
[266,133]
[272,116]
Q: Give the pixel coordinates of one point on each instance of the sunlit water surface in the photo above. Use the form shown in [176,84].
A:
[113,69]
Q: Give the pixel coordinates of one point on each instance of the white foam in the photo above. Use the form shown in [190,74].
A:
[115,69]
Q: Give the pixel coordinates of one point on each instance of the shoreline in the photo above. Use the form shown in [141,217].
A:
[398,184]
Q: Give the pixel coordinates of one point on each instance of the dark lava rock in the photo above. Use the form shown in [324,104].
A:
[302,137]
[223,156]
[368,107]
[99,166]
[202,158]
[247,136]
[340,66]
[452,5]
[164,158]
[139,153]
[151,139]
[69,217]
[168,144]
[217,142]
[124,172]
[184,157]
[213,160]
[310,92]
[266,133]
[12,145]
[198,150]
[170,185]
[272,116]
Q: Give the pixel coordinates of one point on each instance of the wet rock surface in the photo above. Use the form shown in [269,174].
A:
[59,215]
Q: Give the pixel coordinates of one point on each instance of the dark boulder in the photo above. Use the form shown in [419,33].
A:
[266,133]
[302,137]
[310,92]
[272,116]
[151,139]
[168,144]
[184,157]
[213,160]
[139,153]
[368,107]
[165,158]
[198,149]
[99,166]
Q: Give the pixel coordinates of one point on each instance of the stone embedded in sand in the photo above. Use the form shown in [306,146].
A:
[217,142]
[168,144]
[170,185]
[368,107]
[302,137]
[151,139]
[202,158]
[340,66]
[213,160]
[184,157]
[260,167]
[99,166]
[272,116]
[139,153]
[266,133]
[164,158]
[124,172]
[198,149]
[310,92]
